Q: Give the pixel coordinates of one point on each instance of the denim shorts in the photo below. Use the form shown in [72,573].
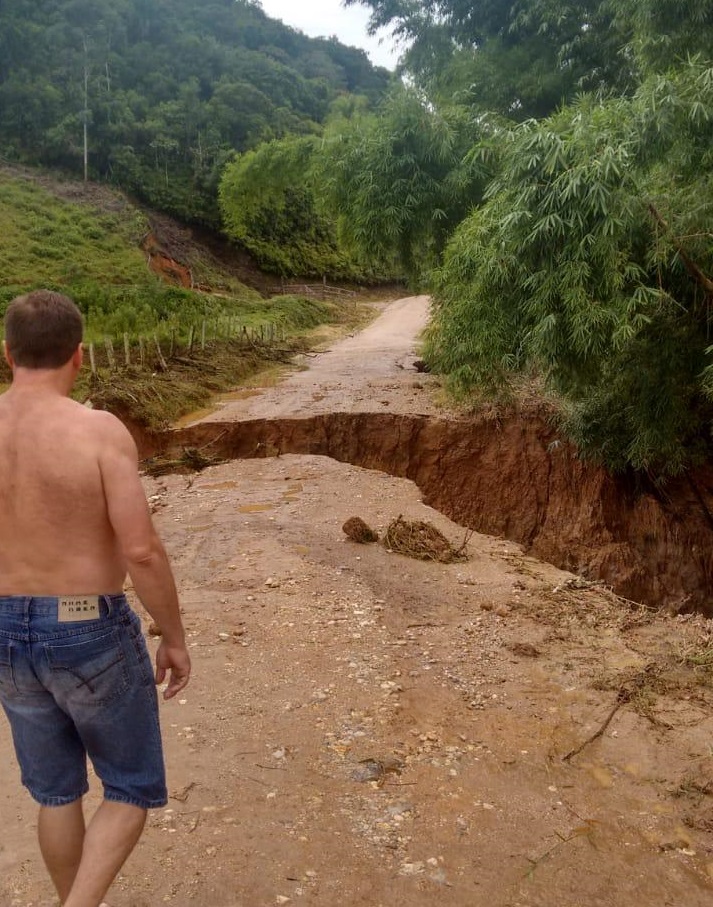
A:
[76,689]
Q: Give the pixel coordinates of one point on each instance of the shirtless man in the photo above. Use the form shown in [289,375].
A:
[75,676]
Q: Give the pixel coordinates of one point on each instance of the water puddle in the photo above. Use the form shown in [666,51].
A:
[255,508]
[292,493]
[218,402]
[195,416]
[602,775]
[243,393]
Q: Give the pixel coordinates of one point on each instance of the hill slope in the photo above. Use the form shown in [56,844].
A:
[168,90]
[92,243]
[142,279]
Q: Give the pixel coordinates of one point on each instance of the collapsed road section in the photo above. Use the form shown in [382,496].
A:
[512,477]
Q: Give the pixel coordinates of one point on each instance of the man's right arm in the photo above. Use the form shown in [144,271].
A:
[142,549]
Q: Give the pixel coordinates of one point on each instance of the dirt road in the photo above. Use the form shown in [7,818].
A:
[368,729]
[360,374]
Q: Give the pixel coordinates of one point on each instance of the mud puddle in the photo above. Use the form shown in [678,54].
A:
[219,401]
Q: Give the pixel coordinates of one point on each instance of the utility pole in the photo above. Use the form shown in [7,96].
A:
[85,112]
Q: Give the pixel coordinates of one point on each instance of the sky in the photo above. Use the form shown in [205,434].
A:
[324,18]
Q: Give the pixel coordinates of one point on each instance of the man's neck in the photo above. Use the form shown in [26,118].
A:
[42,381]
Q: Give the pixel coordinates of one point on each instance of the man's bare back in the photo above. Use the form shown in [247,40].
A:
[55,536]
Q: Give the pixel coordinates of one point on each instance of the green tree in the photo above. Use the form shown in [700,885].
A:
[270,206]
[401,179]
[665,32]
[590,264]
[519,59]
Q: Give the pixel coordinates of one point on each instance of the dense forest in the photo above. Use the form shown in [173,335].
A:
[544,167]
[167,90]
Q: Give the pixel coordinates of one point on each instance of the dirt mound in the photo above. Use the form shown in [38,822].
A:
[358,531]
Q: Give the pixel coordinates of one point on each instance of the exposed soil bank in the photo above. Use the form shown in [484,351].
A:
[513,478]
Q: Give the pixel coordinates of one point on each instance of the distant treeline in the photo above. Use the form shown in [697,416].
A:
[165,91]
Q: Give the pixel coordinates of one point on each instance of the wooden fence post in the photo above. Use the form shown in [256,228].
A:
[190,338]
[127,351]
[203,335]
[161,360]
[142,351]
[109,352]
[92,360]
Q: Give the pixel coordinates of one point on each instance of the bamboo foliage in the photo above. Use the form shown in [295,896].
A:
[591,264]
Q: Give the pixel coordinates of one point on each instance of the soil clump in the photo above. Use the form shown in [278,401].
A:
[358,531]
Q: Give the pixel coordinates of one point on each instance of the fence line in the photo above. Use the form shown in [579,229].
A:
[180,341]
[320,290]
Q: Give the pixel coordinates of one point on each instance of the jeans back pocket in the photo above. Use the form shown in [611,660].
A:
[87,669]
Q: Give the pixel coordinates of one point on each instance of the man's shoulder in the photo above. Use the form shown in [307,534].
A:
[102,425]
[110,425]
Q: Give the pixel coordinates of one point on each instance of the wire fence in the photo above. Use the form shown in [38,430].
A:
[173,343]
[317,290]
[178,341]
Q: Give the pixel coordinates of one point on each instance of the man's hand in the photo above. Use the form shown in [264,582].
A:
[177,661]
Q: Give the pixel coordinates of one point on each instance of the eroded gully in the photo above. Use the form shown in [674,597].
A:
[364,403]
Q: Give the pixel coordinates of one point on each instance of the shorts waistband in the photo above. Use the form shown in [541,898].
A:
[46,605]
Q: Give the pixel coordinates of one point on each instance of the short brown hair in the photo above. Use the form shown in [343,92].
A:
[42,329]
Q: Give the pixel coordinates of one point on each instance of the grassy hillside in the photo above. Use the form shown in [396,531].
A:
[87,242]
[49,240]
[124,270]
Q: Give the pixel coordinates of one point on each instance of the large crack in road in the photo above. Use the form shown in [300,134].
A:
[363,403]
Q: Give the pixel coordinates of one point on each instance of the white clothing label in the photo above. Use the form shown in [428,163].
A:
[77,607]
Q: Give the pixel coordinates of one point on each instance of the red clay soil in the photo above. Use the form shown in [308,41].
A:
[164,266]
[513,478]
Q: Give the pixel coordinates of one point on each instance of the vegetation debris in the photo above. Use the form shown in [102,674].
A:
[421,540]
[190,460]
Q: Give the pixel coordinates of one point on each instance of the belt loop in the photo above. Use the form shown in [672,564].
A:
[109,604]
